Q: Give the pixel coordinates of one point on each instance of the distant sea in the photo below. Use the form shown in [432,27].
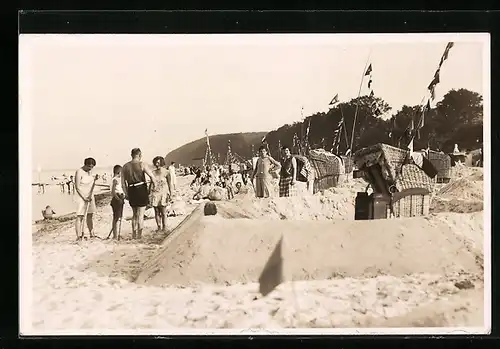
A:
[62,202]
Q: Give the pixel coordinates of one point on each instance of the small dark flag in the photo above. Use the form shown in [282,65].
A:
[372,94]
[272,275]
[445,54]
[369,70]
[334,100]
[436,76]
[370,83]
[434,81]
[433,92]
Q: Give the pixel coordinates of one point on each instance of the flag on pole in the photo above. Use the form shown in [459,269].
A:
[272,275]
[369,70]
[334,100]
[445,54]
[433,92]
[434,81]
[308,128]
[337,135]
[370,80]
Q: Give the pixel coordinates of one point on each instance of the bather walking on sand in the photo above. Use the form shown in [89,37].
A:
[172,178]
[136,190]
[84,198]
[160,193]
[262,173]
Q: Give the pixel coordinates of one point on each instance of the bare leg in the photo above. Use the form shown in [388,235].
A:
[163,212]
[90,224]
[115,227]
[119,228]
[158,217]
[78,226]
[140,220]
[134,222]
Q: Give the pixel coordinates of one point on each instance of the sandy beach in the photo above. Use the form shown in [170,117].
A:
[341,273]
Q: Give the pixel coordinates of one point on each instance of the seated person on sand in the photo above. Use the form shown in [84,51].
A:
[203,191]
[228,185]
[238,188]
[48,213]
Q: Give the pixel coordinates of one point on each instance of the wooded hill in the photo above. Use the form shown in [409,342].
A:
[457,118]
[241,143]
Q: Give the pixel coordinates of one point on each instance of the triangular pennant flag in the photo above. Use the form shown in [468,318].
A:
[369,70]
[334,100]
[410,146]
[372,94]
[436,76]
[434,81]
[433,93]
[272,275]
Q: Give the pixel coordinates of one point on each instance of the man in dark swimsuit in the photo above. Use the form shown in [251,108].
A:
[136,190]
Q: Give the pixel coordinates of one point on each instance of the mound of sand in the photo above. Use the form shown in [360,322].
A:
[464,189]
[225,251]
[463,195]
[331,205]
[455,205]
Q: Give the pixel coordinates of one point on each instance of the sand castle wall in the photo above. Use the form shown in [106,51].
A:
[227,251]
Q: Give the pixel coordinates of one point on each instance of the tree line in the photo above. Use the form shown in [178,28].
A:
[456,119]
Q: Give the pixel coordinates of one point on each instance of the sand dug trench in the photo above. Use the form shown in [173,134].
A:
[226,251]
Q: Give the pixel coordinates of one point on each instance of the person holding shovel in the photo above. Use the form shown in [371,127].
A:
[117,201]
[84,197]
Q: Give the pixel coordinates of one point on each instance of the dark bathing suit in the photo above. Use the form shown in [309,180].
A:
[136,184]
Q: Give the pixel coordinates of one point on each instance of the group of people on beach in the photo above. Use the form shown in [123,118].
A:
[128,183]
[265,170]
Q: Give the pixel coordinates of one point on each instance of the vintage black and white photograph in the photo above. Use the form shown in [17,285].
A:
[254,184]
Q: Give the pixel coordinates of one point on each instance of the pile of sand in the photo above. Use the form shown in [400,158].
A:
[225,251]
[462,195]
[333,203]
[318,207]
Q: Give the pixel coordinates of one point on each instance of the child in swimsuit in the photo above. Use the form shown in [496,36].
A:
[48,213]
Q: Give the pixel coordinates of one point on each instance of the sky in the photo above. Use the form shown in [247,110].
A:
[102,95]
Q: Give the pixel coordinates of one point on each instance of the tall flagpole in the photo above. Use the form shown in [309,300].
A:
[357,103]
[422,103]
[343,125]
